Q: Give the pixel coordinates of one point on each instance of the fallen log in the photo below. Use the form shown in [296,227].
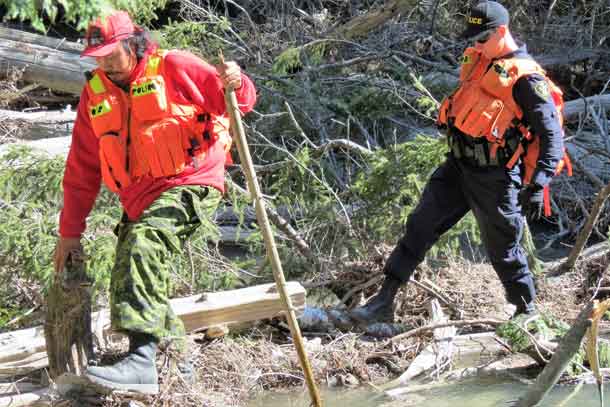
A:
[598,253]
[26,365]
[25,350]
[58,70]
[574,107]
[45,116]
[18,387]
[362,24]
[200,312]
[59,44]
[40,125]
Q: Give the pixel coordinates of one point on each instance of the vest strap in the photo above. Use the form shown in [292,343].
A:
[152,66]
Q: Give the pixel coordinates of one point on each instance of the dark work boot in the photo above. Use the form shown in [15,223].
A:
[137,372]
[380,308]
[528,310]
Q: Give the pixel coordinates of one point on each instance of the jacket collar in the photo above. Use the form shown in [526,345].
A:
[521,52]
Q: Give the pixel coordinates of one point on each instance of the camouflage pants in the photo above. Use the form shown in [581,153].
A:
[140,281]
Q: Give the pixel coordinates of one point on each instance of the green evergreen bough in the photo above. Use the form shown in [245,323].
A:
[77,11]
[392,187]
[30,203]
[547,329]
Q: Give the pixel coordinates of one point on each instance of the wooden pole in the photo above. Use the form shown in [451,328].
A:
[239,136]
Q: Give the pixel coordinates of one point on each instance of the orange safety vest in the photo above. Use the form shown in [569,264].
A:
[483,106]
[145,133]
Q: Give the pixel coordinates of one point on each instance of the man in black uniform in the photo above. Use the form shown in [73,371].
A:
[503,93]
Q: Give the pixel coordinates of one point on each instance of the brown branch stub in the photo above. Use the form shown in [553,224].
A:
[364,23]
[345,144]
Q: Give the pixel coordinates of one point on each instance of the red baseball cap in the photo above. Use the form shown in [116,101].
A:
[104,34]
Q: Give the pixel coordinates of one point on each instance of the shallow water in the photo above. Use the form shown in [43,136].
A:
[472,393]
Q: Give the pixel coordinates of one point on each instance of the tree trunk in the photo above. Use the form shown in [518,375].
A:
[574,107]
[40,125]
[68,320]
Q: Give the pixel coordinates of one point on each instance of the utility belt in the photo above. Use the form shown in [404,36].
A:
[479,152]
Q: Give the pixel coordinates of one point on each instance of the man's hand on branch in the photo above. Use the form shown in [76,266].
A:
[64,246]
[230,74]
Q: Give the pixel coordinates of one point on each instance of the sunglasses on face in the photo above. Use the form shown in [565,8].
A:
[482,37]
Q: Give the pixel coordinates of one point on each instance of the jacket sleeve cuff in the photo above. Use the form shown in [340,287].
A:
[70,229]
[71,235]
[542,178]
[246,94]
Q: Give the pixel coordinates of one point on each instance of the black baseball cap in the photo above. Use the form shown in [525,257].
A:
[487,15]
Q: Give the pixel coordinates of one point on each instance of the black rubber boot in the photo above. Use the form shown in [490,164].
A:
[137,372]
[528,311]
[380,308]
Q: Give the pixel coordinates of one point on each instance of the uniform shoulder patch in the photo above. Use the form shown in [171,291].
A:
[542,89]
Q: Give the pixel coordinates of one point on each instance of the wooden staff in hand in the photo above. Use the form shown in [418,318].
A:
[239,136]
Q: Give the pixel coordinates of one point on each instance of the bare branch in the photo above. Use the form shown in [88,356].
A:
[431,327]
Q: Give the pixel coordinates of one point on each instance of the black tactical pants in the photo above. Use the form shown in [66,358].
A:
[491,193]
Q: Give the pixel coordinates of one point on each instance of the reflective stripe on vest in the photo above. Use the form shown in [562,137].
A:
[96,84]
[152,67]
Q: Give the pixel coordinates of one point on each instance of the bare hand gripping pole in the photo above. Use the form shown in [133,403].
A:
[239,136]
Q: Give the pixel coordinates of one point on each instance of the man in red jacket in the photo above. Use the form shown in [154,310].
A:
[151,125]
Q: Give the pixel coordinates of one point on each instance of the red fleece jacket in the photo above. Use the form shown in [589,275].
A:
[195,82]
